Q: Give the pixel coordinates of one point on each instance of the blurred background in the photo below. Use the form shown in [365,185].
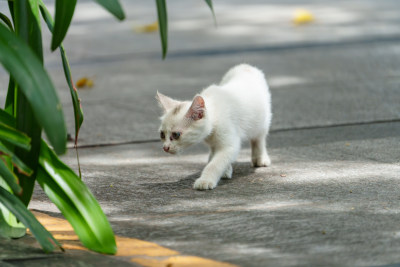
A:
[327,62]
[240,24]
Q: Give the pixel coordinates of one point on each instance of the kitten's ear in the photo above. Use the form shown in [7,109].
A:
[197,109]
[165,102]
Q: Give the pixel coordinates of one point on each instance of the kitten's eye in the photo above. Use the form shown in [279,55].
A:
[162,135]
[176,135]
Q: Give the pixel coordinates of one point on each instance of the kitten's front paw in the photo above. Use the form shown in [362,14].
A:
[261,162]
[204,184]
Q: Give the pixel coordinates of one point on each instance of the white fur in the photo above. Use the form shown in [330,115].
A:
[237,109]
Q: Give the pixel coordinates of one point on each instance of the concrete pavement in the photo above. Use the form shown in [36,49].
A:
[330,198]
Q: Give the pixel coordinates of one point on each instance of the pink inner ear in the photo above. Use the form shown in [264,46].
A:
[196,110]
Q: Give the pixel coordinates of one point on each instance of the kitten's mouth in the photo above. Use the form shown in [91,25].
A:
[171,152]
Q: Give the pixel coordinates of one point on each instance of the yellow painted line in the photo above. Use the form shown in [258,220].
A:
[189,261]
[138,251]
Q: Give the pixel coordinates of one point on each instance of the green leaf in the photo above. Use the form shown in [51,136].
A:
[76,202]
[67,71]
[7,21]
[64,12]
[29,73]
[34,7]
[163,25]
[27,27]
[210,5]
[9,225]
[11,9]
[9,177]
[6,118]
[14,136]
[9,106]
[76,103]
[27,122]
[113,7]
[15,205]
[16,162]
[74,94]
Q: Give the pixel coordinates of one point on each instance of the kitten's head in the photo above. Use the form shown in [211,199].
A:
[183,123]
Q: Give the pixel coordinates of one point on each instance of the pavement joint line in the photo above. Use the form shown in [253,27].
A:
[236,50]
[286,47]
[116,143]
[314,127]
[137,251]
[19,259]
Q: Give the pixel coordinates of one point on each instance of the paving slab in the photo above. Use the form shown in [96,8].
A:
[239,24]
[318,86]
[330,198]
[343,68]
[26,252]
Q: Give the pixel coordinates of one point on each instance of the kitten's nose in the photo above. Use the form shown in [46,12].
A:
[166,148]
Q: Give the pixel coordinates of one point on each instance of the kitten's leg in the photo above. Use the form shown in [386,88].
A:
[259,154]
[212,151]
[218,166]
[228,172]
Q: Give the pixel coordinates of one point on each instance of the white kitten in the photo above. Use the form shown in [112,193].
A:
[222,115]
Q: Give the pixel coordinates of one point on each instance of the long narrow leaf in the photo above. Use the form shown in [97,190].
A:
[27,28]
[27,71]
[163,25]
[27,25]
[114,7]
[10,98]
[210,5]
[34,7]
[7,228]
[64,12]
[16,162]
[7,21]
[12,203]
[9,106]
[60,198]
[75,201]
[11,9]
[9,177]
[74,93]
[27,122]
[9,225]
[14,136]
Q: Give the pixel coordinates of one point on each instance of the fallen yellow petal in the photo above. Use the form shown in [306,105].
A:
[81,82]
[84,82]
[302,16]
[89,83]
[146,28]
